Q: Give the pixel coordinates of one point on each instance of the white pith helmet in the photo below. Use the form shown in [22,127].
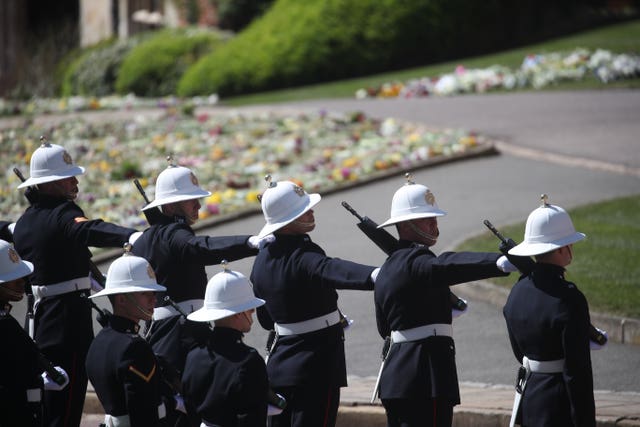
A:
[12,267]
[283,202]
[548,227]
[412,201]
[175,184]
[228,293]
[50,162]
[129,274]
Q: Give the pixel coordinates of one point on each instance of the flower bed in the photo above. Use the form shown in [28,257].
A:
[536,72]
[229,152]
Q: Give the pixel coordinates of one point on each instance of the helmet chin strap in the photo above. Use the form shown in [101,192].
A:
[422,233]
[306,224]
[9,293]
[132,300]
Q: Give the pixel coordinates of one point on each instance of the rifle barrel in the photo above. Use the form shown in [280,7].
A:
[141,190]
[490,226]
[348,207]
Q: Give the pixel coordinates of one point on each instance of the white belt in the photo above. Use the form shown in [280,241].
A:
[44,291]
[422,332]
[310,325]
[125,421]
[537,366]
[188,306]
[66,287]
[543,367]
[34,395]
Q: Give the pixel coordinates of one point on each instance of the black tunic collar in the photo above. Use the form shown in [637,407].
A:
[122,324]
[221,334]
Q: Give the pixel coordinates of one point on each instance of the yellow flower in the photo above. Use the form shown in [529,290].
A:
[469,140]
[215,197]
[350,162]
[252,196]
[228,194]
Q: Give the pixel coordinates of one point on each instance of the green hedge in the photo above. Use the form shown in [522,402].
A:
[95,71]
[154,67]
[297,43]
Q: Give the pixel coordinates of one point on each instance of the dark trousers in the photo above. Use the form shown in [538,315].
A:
[418,412]
[309,406]
[63,332]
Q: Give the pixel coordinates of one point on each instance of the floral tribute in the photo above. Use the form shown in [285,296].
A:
[536,72]
[230,153]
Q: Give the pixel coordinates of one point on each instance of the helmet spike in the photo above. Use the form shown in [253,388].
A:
[170,161]
[545,200]
[225,265]
[127,248]
[268,180]
[43,141]
[409,177]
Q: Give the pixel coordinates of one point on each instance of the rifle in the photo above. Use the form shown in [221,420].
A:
[526,265]
[94,271]
[389,244]
[153,215]
[46,365]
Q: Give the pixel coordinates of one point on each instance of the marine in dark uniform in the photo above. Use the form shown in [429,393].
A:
[298,281]
[54,234]
[418,384]
[548,324]
[179,258]
[21,383]
[225,381]
[120,363]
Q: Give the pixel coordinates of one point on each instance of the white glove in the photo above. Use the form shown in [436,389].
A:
[11,227]
[256,242]
[457,313]
[374,274]
[594,345]
[505,265]
[180,404]
[50,384]
[273,409]
[134,237]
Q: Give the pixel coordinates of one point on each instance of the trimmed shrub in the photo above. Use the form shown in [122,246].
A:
[297,43]
[154,66]
[95,71]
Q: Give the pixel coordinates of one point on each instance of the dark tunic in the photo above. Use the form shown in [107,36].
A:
[179,258]
[5,234]
[124,373]
[548,319]
[298,281]
[21,372]
[54,235]
[226,381]
[412,289]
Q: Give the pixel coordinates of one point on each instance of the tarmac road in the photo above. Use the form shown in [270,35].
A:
[595,155]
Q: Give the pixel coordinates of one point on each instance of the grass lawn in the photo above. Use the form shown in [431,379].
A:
[606,264]
[618,38]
